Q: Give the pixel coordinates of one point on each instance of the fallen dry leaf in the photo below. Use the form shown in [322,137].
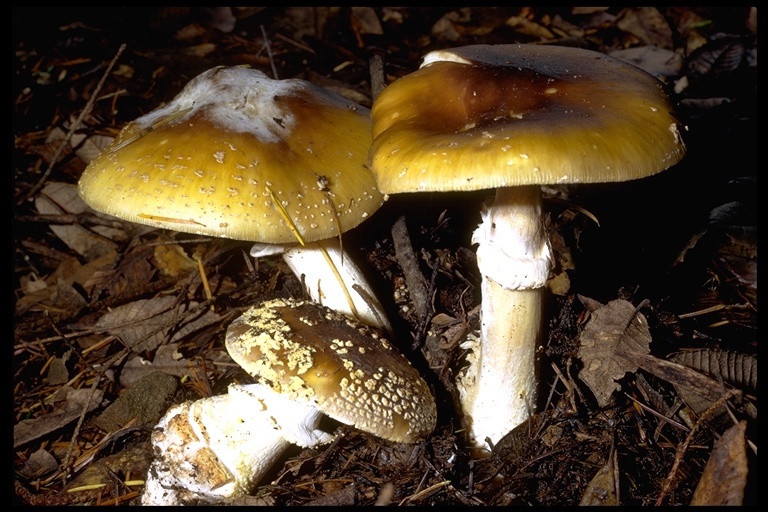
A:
[601,490]
[648,25]
[144,324]
[64,412]
[530,28]
[58,198]
[661,63]
[89,147]
[169,360]
[615,328]
[172,260]
[40,463]
[725,475]
[736,369]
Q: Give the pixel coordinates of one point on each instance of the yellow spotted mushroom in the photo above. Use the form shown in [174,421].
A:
[307,361]
[236,154]
[347,370]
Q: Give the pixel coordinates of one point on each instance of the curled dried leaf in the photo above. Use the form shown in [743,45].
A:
[735,369]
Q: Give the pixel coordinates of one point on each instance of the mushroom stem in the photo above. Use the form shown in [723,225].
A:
[497,391]
[334,280]
[219,448]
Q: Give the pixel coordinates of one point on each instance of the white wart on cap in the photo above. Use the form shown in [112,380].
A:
[311,354]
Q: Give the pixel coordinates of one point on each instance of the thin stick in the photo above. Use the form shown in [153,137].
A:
[295,43]
[285,215]
[669,483]
[378,79]
[660,416]
[428,491]
[704,311]
[204,279]
[406,258]
[341,281]
[269,51]
[81,419]
[73,128]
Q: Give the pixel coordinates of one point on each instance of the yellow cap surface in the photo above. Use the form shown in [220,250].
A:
[488,116]
[235,155]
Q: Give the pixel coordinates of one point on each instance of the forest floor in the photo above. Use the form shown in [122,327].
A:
[680,248]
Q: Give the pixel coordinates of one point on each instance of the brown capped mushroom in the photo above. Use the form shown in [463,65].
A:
[238,155]
[511,118]
[308,361]
[346,369]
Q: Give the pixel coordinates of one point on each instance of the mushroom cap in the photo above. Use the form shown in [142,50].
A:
[346,369]
[215,160]
[488,116]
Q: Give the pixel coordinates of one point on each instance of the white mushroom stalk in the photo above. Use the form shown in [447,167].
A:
[238,155]
[498,388]
[332,278]
[514,117]
[218,448]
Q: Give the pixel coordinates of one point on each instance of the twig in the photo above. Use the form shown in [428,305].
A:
[427,492]
[571,389]
[417,288]
[295,43]
[669,484]
[204,279]
[76,433]
[712,309]
[269,51]
[425,318]
[640,306]
[664,419]
[72,218]
[378,78]
[73,128]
